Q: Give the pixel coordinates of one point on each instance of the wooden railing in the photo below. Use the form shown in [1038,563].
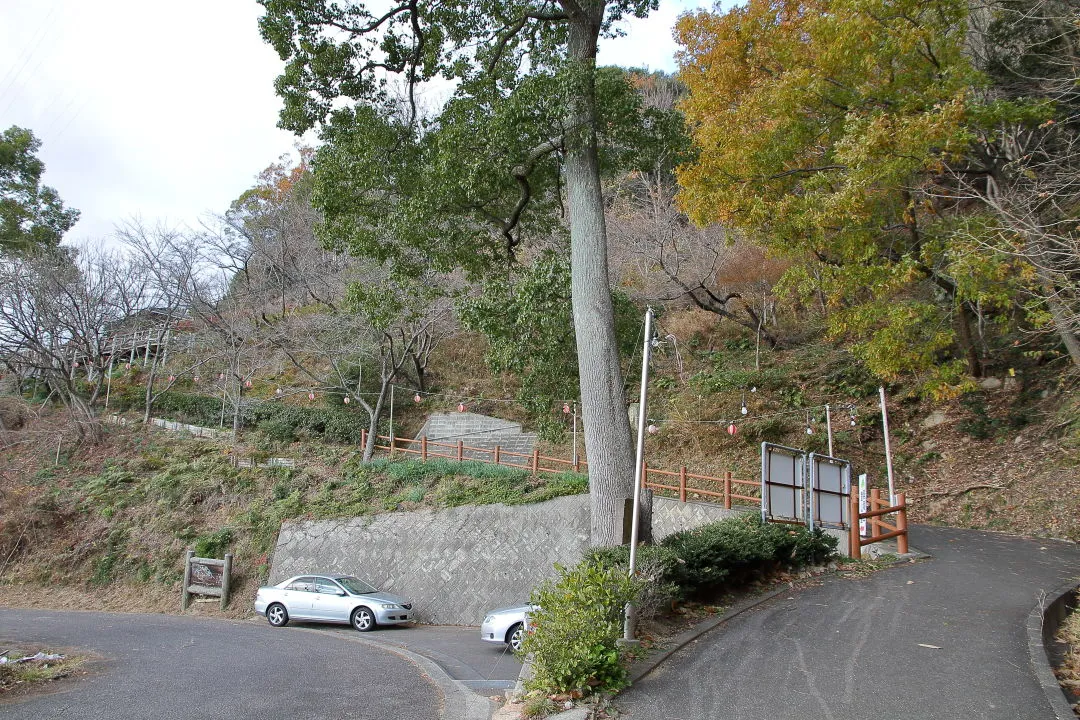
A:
[534,462]
[879,529]
[726,489]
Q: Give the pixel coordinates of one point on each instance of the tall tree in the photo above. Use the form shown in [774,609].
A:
[826,128]
[467,185]
[31,215]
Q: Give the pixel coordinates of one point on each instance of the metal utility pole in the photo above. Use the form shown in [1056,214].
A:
[888,450]
[639,463]
[828,426]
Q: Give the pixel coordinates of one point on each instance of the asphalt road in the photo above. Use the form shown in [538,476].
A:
[485,668]
[936,640]
[169,667]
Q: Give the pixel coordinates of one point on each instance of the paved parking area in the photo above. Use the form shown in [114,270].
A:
[485,668]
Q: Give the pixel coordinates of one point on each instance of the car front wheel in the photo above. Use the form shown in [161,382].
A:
[277,615]
[515,635]
[363,619]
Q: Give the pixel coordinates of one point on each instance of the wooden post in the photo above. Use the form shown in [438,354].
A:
[682,484]
[536,461]
[577,461]
[498,454]
[460,450]
[363,439]
[391,442]
[727,490]
[901,524]
[226,571]
[185,596]
[854,538]
[423,448]
[875,504]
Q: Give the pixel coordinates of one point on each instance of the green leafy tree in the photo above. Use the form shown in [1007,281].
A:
[531,118]
[31,215]
[529,326]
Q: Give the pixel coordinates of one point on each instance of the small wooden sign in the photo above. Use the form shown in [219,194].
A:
[206,576]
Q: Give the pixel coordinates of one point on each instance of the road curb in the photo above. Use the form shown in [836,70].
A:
[459,702]
[1043,622]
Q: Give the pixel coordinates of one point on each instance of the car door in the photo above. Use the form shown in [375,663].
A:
[298,598]
[330,601]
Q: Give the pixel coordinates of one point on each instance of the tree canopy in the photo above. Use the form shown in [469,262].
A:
[849,135]
[529,128]
[31,215]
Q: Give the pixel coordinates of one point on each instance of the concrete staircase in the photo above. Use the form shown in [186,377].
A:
[479,431]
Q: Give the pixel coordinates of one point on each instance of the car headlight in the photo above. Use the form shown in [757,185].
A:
[389,606]
[488,619]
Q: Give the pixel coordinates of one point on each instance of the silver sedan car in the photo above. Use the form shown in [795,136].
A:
[340,599]
[506,626]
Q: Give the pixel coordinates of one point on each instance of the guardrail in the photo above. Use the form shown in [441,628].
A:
[724,489]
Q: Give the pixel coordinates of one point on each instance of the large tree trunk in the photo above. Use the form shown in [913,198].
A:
[607,428]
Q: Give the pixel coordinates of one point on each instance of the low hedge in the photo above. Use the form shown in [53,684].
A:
[580,620]
[278,420]
[724,555]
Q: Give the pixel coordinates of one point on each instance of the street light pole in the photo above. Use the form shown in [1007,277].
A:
[639,463]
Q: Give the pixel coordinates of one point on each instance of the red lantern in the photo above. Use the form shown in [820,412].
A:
[247,383]
[76,364]
[127,366]
[311,396]
[196,378]
[346,400]
[732,430]
[221,376]
[172,378]
[652,429]
[566,408]
[461,407]
[416,398]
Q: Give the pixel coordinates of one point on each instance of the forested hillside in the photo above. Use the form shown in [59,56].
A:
[829,198]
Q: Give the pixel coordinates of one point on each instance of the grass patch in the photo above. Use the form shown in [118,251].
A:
[17,676]
[1068,673]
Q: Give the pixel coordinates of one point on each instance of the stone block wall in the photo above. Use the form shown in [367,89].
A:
[457,564]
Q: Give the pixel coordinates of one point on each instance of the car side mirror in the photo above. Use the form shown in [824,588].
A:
[341,593]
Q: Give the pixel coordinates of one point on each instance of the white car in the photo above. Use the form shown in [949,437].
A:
[340,599]
[506,626]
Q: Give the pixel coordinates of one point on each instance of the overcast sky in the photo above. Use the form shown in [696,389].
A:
[167,111]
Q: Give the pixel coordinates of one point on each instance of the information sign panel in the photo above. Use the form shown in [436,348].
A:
[783,483]
[830,488]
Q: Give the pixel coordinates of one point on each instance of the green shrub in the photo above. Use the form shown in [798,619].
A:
[214,544]
[572,637]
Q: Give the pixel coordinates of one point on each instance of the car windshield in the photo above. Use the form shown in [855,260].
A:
[355,585]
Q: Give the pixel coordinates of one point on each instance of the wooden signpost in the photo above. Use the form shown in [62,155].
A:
[206,576]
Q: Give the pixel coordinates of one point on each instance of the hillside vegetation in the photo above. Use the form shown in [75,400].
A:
[114,519]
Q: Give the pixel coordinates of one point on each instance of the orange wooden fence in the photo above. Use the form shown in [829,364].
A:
[726,489]
[879,529]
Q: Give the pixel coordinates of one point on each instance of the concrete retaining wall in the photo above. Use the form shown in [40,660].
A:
[457,564]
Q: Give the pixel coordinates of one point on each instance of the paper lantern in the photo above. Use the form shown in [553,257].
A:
[566,408]
[731,429]
[311,396]
[278,391]
[127,366]
[652,429]
[76,364]
[346,400]
[196,378]
[172,378]
[416,398]
[461,407]
[247,383]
